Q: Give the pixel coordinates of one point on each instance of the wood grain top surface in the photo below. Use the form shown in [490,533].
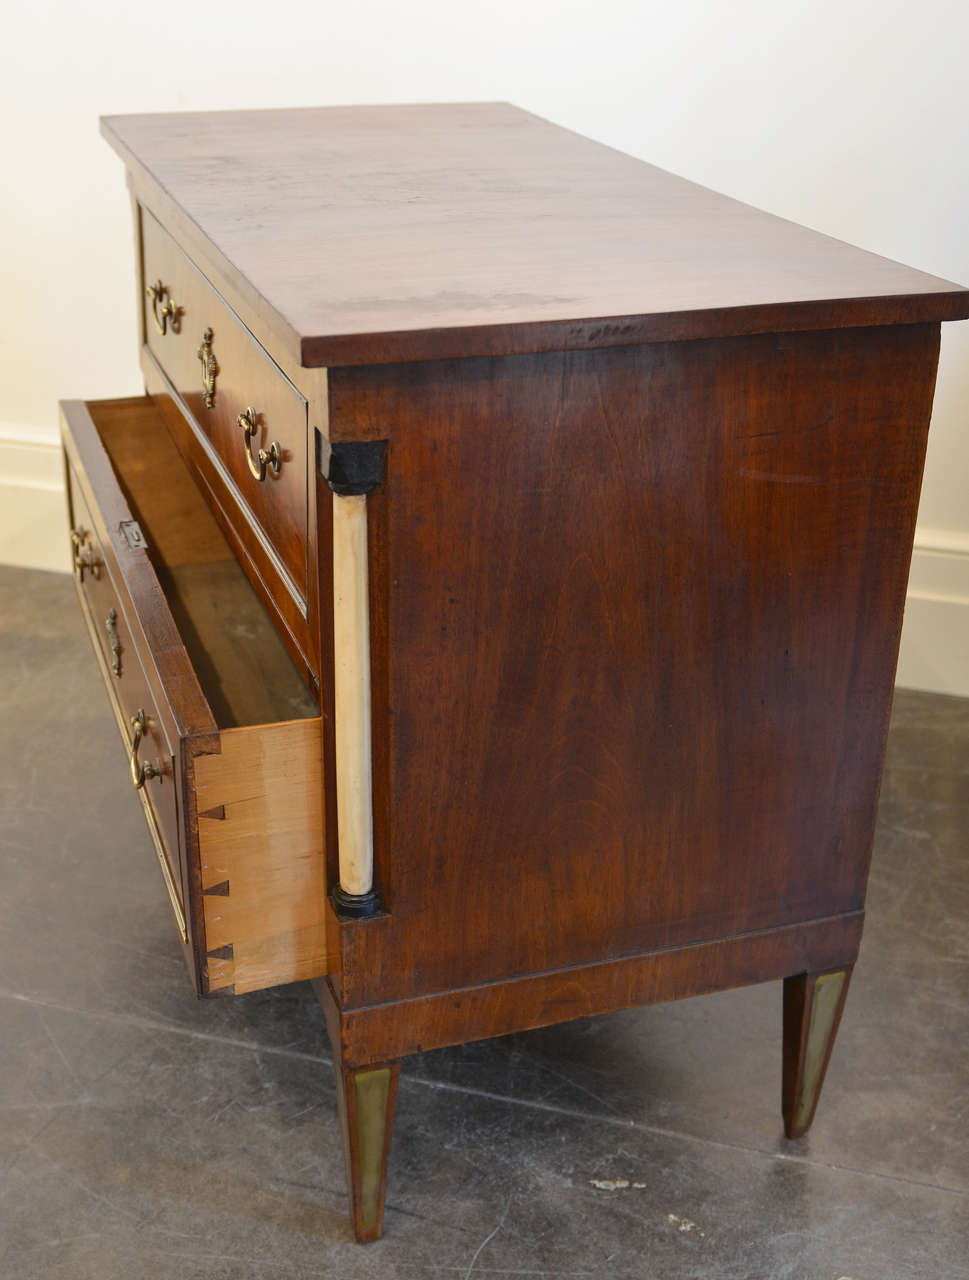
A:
[375,234]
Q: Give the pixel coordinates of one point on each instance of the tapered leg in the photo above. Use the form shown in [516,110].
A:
[812,1011]
[365,1097]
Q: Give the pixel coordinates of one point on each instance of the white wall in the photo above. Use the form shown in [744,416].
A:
[851,116]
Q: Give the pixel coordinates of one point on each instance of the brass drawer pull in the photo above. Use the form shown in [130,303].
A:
[167,312]
[210,368]
[111,626]
[84,556]
[140,773]
[273,455]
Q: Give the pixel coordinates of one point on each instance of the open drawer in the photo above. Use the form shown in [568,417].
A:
[222,734]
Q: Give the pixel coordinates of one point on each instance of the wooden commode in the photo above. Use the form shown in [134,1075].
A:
[498,587]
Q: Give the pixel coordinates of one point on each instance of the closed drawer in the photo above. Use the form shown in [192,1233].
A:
[221,733]
[242,406]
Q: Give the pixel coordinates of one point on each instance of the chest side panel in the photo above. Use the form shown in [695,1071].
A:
[636,618]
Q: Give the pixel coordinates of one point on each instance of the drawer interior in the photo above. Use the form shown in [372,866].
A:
[243,666]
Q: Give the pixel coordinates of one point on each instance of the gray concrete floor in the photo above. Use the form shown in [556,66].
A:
[146,1134]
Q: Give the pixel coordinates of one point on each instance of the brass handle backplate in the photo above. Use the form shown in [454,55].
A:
[84,557]
[273,456]
[111,626]
[210,368]
[140,773]
[164,309]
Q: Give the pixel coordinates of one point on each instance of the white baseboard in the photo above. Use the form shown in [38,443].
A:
[935,634]
[935,637]
[33,508]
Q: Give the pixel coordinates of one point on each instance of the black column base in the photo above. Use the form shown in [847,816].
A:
[355,906]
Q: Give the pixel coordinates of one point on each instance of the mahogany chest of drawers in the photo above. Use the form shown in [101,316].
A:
[498,588]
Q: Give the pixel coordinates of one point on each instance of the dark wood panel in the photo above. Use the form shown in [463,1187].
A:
[376,234]
[637,621]
[389,1030]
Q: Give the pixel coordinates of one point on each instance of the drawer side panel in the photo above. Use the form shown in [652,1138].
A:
[260,837]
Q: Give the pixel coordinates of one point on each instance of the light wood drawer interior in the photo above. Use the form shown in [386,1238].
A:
[224,702]
[243,379]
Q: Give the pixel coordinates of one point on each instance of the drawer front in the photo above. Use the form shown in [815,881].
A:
[242,406]
[129,692]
